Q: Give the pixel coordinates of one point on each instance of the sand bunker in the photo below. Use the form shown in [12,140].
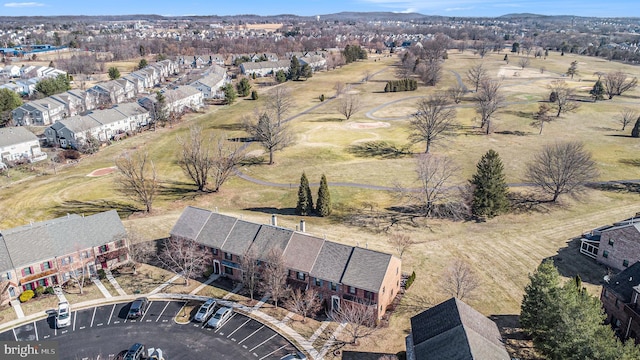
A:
[102,172]
[373,125]
[518,72]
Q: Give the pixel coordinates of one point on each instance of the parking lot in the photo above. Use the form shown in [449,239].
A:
[105,331]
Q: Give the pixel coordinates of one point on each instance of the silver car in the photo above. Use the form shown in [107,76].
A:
[205,311]
[220,317]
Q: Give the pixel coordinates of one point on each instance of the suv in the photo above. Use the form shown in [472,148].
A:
[138,308]
[205,311]
[63,317]
[136,352]
[297,356]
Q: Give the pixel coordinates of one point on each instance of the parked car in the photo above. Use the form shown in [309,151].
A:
[63,317]
[297,356]
[205,311]
[137,351]
[138,308]
[220,317]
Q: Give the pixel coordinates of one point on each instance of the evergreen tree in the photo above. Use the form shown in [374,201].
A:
[9,100]
[573,69]
[160,109]
[306,71]
[294,69]
[323,204]
[490,188]
[243,87]
[142,64]
[52,86]
[635,132]
[229,94]
[281,76]
[114,73]
[305,201]
[254,95]
[597,92]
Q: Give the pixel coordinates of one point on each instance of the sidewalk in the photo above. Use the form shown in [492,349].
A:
[15,304]
[101,287]
[211,279]
[165,284]
[115,284]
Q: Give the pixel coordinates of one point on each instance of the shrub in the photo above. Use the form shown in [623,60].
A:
[49,290]
[208,271]
[553,97]
[71,154]
[39,291]
[254,95]
[410,280]
[401,85]
[102,274]
[26,296]
[321,98]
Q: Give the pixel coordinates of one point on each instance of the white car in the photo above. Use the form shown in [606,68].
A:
[205,311]
[63,317]
[220,317]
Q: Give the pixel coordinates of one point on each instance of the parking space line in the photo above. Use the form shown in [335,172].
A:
[274,351]
[251,335]
[75,315]
[14,334]
[146,311]
[234,331]
[262,343]
[93,316]
[36,330]
[225,323]
[165,308]
[110,315]
[55,328]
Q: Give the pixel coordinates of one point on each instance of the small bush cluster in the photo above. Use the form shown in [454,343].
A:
[401,85]
[102,274]
[410,280]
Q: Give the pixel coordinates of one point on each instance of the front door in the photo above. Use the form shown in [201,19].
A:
[216,267]
[12,292]
[335,303]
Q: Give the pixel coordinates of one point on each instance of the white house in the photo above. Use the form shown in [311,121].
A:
[209,85]
[264,68]
[177,100]
[19,144]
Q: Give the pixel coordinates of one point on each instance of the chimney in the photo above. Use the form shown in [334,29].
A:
[366,245]
[303,227]
[274,220]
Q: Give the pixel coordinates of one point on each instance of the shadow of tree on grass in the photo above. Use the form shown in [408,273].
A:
[94,207]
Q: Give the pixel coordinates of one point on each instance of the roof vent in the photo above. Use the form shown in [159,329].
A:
[630,278]
[607,278]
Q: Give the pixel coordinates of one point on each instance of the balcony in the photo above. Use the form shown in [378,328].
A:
[112,254]
[358,300]
[633,310]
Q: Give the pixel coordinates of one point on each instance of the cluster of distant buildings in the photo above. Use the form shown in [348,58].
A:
[23,79]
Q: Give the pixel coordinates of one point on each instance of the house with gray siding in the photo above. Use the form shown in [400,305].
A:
[210,83]
[19,144]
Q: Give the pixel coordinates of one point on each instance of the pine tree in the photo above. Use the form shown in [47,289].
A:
[294,69]
[597,92]
[323,205]
[490,189]
[635,132]
[305,200]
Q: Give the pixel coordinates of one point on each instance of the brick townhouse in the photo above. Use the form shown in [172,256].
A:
[616,246]
[619,299]
[340,273]
[48,253]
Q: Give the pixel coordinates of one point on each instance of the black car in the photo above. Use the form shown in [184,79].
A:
[136,352]
[138,308]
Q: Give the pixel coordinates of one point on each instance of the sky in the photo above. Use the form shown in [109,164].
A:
[490,8]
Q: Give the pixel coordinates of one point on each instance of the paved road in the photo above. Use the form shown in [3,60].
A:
[105,331]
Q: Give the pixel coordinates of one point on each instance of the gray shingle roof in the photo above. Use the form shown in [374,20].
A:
[190,223]
[331,261]
[241,237]
[366,269]
[454,330]
[270,238]
[215,230]
[623,283]
[15,135]
[45,240]
[302,252]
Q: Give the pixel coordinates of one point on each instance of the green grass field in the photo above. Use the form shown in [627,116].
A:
[503,251]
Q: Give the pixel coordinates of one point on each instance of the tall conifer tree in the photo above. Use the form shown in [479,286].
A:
[305,200]
[323,205]
[490,188]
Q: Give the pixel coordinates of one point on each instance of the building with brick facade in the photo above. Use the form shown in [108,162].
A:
[620,301]
[616,246]
[50,252]
[340,273]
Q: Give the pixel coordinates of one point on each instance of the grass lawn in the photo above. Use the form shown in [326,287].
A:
[7,313]
[502,251]
[278,313]
[147,278]
[213,292]
[185,314]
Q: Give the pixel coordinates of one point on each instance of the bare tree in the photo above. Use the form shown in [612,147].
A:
[304,302]
[280,101]
[489,99]
[4,291]
[407,65]
[203,157]
[274,276]
[430,72]
[141,250]
[137,177]
[433,119]
[626,117]
[459,280]
[541,117]
[360,320]
[184,257]
[78,270]
[340,88]
[524,62]
[563,97]
[436,174]
[476,75]
[401,242]
[348,105]
[250,271]
[273,136]
[616,83]
[456,93]
[562,168]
